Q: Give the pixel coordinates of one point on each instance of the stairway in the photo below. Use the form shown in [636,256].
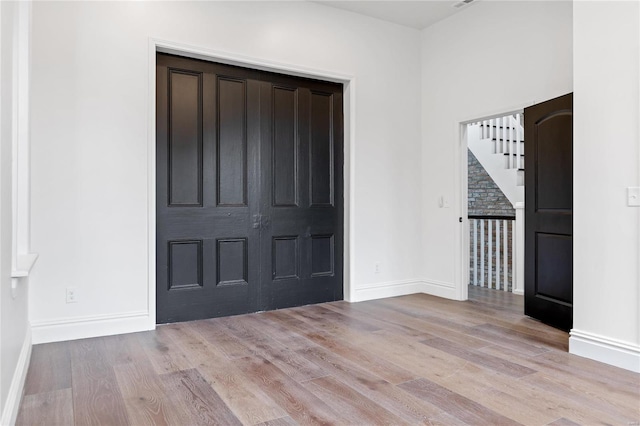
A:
[498,144]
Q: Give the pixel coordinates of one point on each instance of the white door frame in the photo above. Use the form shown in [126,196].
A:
[158,45]
[462,254]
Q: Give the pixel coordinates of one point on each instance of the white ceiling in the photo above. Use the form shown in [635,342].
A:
[417,14]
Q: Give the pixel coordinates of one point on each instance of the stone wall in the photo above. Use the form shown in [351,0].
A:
[485,197]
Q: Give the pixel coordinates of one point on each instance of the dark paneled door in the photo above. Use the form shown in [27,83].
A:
[249,190]
[549,212]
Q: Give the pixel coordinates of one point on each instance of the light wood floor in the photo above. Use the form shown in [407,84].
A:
[408,360]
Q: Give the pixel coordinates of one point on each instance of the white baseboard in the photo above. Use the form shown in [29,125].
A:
[387,289]
[603,349]
[93,326]
[14,396]
[440,289]
[402,288]
[518,292]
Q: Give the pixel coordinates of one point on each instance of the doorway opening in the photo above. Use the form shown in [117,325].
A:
[495,203]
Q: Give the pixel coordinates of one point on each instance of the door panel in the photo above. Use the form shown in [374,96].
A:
[303,240]
[321,149]
[232,142]
[249,190]
[549,212]
[207,139]
[185,138]
[285,146]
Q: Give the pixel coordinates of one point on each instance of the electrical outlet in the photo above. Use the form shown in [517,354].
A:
[376,268]
[72,295]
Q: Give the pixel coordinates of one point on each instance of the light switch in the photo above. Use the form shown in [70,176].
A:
[633,196]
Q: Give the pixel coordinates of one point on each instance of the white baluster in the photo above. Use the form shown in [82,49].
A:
[512,160]
[505,251]
[519,143]
[497,254]
[475,252]
[490,255]
[481,252]
[504,133]
[493,128]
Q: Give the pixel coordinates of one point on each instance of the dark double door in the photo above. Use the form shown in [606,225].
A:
[249,190]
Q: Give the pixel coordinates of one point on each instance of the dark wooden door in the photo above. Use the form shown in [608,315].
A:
[549,212]
[302,192]
[238,227]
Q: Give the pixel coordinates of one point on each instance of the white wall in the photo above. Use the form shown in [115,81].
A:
[90,129]
[490,58]
[13,304]
[606,162]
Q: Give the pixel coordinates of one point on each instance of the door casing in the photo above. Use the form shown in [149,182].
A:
[462,237]
[176,48]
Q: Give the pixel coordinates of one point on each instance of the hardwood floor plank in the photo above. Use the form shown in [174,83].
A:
[388,396]
[454,404]
[53,408]
[321,314]
[284,421]
[610,411]
[532,404]
[428,328]
[301,405]
[250,404]
[49,368]
[214,332]
[348,349]
[563,422]
[480,313]
[591,380]
[164,357]
[292,364]
[446,419]
[497,364]
[96,396]
[124,349]
[407,353]
[191,392]
[354,310]
[354,408]
[483,386]
[145,397]
[277,332]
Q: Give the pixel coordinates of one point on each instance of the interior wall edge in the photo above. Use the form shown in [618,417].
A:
[14,396]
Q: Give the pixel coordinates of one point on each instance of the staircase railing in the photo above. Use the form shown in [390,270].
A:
[493,252]
[508,135]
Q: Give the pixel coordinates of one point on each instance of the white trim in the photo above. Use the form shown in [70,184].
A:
[442,289]
[518,292]
[497,113]
[461,250]
[403,288]
[199,52]
[14,396]
[610,351]
[21,259]
[388,289]
[24,263]
[90,326]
